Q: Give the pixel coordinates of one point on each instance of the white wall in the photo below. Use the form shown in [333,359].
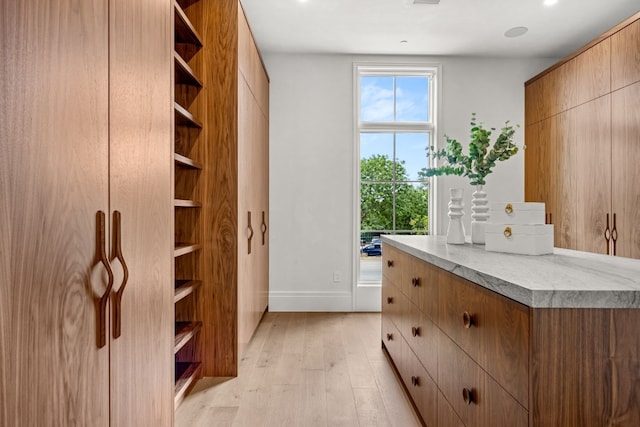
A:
[312,162]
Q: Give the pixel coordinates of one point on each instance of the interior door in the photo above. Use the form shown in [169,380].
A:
[53,182]
[141,191]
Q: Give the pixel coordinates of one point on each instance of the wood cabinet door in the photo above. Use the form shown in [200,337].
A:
[564,209]
[594,72]
[625,51]
[593,173]
[540,163]
[141,190]
[53,181]
[625,131]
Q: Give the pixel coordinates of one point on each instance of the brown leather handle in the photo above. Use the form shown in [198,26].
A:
[467,320]
[389,263]
[415,281]
[415,381]
[116,253]
[389,337]
[101,251]
[250,228]
[389,300]
[607,235]
[263,227]
[614,234]
[467,396]
[415,331]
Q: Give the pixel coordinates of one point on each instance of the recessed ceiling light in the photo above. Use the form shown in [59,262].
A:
[403,42]
[515,32]
[550,2]
[426,1]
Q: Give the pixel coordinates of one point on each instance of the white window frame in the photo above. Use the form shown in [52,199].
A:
[366,295]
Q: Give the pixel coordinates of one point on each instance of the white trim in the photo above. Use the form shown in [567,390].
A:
[287,301]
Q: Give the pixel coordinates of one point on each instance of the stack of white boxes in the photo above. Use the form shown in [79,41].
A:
[518,228]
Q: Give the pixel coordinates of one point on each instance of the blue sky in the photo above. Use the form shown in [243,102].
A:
[411,104]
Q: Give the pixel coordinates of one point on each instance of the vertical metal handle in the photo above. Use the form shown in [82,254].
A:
[116,253]
[101,251]
[614,234]
[607,235]
[264,227]
[250,228]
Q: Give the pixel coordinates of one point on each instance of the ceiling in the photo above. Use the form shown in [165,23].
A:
[453,27]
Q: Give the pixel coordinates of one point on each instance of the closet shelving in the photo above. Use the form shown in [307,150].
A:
[187,199]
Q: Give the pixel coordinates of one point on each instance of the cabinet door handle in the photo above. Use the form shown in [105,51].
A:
[250,229]
[467,396]
[607,235]
[467,320]
[101,245]
[550,218]
[415,281]
[116,253]
[415,381]
[390,263]
[415,331]
[389,300]
[264,227]
[389,337]
[614,234]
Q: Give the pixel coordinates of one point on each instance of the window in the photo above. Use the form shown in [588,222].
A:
[395,124]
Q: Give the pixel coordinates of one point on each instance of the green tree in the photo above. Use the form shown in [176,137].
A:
[376,196]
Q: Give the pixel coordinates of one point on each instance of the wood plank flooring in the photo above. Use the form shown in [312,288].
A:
[305,369]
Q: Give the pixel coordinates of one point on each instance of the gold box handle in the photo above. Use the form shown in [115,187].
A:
[508,209]
[507,232]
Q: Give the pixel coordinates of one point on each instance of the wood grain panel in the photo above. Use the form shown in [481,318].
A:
[540,163]
[140,138]
[564,209]
[590,357]
[625,131]
[593,176]
[594,72]
[219,113]
[559,89]
[53,181]
[625,55]
[446,415]
[533,102]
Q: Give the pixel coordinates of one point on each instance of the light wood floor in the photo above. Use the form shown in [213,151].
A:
[305,369]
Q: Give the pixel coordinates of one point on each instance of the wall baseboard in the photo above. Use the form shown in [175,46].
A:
[310,301]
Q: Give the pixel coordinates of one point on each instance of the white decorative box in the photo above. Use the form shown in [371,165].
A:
[524,239]
[517,213]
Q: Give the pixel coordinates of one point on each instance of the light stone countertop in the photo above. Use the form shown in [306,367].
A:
[566,279]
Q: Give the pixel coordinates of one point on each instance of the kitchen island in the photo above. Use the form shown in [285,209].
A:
[491,339]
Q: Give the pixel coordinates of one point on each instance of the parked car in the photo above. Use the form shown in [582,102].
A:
[374,249]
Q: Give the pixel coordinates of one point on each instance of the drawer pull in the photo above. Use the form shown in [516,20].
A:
[508,209]
[390,263]
[467,320]
[415,381]
[507,232]
[415,281]
[467,396]
[389,300]
[415,331]
[389,337]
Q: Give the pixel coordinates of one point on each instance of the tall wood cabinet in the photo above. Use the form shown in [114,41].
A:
[582,129]
[226,137]
[86,308]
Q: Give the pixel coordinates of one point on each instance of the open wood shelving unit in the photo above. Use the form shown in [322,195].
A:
[187,199]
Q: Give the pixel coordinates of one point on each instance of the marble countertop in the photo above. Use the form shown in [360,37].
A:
[565,279]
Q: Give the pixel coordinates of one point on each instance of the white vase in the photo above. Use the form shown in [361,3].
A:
[455,231]
[480,215]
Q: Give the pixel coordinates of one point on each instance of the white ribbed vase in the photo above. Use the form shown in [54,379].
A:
[479,216]
[455,231]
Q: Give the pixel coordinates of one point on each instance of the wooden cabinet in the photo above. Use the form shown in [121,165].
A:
[487,360]
[572,158]
[235,213]
[85,186]
[625,133]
